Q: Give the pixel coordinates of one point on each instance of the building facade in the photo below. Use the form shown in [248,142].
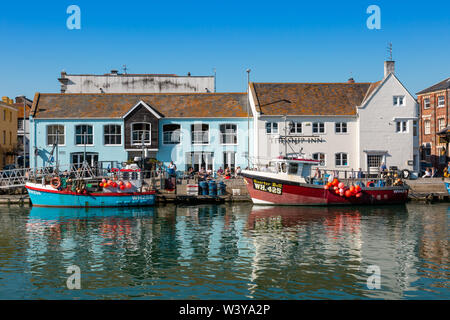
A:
[434,111]
[23,106]
[193,130]
[8,132]
[344,125]
[115,82]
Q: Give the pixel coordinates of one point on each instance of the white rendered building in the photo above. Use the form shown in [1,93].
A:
[345,125]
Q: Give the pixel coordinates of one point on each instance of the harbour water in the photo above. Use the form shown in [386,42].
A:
[226,252]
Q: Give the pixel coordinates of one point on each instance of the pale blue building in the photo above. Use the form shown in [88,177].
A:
[195,130]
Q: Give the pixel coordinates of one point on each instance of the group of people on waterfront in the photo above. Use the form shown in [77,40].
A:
[203,174]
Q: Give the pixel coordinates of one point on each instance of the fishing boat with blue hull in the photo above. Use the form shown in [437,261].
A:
[122,189]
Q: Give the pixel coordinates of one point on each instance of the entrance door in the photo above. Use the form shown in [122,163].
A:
[229,160]
[197,160]
[374,162]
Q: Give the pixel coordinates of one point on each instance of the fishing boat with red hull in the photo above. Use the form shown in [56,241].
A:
[288,181]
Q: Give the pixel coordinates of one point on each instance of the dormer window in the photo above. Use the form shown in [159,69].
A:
[140,133]
[399,100]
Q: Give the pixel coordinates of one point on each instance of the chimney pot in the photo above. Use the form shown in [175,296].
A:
[351,80]
[114,72]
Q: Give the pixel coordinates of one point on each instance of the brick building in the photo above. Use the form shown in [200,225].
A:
[8,132]
[435,111]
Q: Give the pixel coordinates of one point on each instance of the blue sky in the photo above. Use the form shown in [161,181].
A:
[280,41]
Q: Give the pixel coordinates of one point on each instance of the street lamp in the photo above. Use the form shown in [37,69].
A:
[248,119]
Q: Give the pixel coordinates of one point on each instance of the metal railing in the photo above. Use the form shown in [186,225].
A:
[17,178]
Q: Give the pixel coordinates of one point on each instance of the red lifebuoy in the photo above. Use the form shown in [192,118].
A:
[55,182]
[371,184]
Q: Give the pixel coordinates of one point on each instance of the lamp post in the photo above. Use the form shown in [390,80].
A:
[248,119]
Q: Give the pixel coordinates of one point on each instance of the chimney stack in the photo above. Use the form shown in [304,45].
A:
[114,72]
[351,80]
[389,67]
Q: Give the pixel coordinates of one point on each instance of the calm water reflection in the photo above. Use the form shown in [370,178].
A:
[225,252]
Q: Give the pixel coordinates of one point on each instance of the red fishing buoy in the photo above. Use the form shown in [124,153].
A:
[348,193]
[341,185]
[122,187]
[327,187]
[359,194]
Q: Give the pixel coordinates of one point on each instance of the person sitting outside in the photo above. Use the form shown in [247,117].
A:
[447,171]
[227,174]
[238,172]
[190,173]
[202,174]
[220,172]
[427,173]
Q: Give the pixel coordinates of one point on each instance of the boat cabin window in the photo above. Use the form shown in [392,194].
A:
[306,172]
[293,168]
[281,167]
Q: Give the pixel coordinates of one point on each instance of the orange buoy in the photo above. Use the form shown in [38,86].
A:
[348,193]
[122,187]
[327,187]
[358,189]
[341,185]
[55,182]
[352,189]
[128,185]
[359,194]
[335,182]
